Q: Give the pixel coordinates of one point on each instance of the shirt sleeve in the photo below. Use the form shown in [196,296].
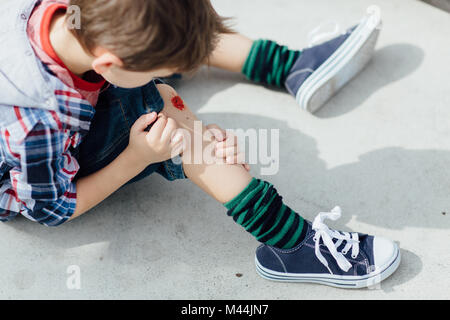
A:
[41,178]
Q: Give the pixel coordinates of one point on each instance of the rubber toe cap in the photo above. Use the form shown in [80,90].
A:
[384,252]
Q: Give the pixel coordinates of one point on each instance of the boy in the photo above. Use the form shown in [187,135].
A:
[82,114]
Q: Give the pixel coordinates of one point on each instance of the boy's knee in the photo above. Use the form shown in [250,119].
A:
[175,108]
[167,93]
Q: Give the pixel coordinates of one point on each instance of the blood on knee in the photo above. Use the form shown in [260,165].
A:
[169,94]
[178,103]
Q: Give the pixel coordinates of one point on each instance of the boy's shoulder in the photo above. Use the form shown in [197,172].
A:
[23,79]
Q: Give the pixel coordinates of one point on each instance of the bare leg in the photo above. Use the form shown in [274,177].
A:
[221,181]
[261,210]
[231,52]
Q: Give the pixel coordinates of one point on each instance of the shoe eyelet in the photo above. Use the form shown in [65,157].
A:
[344,252]
[354,257]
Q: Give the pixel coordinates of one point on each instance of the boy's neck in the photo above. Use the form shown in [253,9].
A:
[67,47]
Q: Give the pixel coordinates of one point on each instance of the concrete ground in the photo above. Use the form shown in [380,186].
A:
[380,149]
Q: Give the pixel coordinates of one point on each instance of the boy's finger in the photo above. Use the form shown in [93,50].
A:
[231,140]
[227,144]
[177,137]
[218,133]
[236,159]
[158,128]
[177,149]
[226,152]
[168,131]
[144,121]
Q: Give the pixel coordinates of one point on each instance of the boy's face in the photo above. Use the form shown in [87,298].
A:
[111,68]
[132,79]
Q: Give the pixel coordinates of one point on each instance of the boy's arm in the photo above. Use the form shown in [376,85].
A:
[95,188]
[145,148]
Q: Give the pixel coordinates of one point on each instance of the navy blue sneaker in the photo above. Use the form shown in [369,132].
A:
[322,70]
[329,257]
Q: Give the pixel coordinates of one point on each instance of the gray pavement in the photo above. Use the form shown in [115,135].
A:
[380,149]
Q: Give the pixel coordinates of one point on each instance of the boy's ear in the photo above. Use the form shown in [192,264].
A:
[105,60]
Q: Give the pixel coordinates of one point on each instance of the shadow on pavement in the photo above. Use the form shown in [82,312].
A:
[389,64]
[391,188]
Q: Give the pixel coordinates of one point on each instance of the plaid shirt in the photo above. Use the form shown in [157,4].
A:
[37,168]
[36,165]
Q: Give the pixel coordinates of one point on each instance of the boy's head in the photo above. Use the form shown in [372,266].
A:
[133,41]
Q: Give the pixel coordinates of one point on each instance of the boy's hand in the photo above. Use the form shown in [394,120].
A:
[227,149]
[161,143]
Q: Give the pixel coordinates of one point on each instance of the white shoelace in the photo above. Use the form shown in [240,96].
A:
[330,29]
[327,235]
[323,32]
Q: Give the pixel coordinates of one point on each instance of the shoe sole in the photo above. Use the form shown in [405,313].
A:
[348,282]
[348,60]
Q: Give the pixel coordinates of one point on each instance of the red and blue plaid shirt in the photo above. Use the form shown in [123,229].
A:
[36,165]
[37,168]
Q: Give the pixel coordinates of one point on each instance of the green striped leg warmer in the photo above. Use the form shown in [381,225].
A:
[269,63]
[259,209]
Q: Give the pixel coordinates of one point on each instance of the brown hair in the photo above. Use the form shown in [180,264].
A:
[151,34]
